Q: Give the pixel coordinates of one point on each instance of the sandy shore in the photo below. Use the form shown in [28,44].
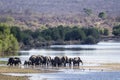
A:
[104,67]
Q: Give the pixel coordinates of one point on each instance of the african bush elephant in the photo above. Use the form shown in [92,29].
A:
[27,62]
[77,61]
[14,61]
[40,60]
[47,60]
[56,61]
[70,60]
[64,60]
[33,59]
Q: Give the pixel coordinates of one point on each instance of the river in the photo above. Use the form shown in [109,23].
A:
[103,52]
[92,55]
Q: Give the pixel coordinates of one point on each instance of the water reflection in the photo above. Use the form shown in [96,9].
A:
[101,53]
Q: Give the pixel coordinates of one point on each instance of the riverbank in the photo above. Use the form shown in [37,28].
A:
[8,69]
[8,77]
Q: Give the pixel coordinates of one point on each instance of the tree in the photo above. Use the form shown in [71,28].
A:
[87,11]
[116,30]
[102,15]
[8,43]
[90,40]
[106,32]
[16,32]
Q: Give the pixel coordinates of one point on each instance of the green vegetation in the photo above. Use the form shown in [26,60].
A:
[8,43]
[102,15]
[87,11]
[116,30]
[104,31]
[59,34]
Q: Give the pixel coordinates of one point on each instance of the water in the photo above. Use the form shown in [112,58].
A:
[103,52]
[72,76]
[92,55]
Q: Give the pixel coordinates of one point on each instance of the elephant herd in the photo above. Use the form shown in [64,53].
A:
[40,60]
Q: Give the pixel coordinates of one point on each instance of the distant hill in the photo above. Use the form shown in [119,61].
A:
[61,6]
[33,14]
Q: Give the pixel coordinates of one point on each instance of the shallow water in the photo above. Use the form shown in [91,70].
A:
[103,52]
[73,75]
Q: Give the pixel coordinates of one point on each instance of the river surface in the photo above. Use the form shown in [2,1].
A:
[92,55]
[103,52]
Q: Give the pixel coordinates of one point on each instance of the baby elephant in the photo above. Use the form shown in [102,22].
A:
[14,61]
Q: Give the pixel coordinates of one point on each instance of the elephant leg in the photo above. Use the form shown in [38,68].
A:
[64,64]
[78,63]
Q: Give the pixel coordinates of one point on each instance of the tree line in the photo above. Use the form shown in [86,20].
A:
[59,34]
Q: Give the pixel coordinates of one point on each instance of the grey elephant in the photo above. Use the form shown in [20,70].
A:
[56,61]
[77,61]
[64,60]
[33,59]
[70,60]
[14,61]
[27,63]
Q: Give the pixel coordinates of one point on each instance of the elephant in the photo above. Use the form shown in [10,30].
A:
[27,62]
[33,59]
[47,60]
[39,60]
[56,61]
[64,60]
[77,61]
[14,61]
[70,60]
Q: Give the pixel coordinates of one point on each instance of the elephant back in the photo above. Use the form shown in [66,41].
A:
[57,59]
[33,59]
[64,59]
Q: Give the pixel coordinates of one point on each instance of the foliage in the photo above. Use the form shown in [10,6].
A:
[90,40]
[59,33]
[87,11]
[104,31]
[8,43]
[116,30]
[102,15]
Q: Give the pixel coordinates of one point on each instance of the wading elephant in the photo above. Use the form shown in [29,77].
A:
[64,60]
[56,61]
[14,61]
[77,61]
[33,59]
[27,63]
[70,60]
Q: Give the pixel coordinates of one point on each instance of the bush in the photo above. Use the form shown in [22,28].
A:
[116,30]
[90,40]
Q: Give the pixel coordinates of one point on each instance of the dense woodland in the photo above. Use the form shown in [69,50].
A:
[58,35]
